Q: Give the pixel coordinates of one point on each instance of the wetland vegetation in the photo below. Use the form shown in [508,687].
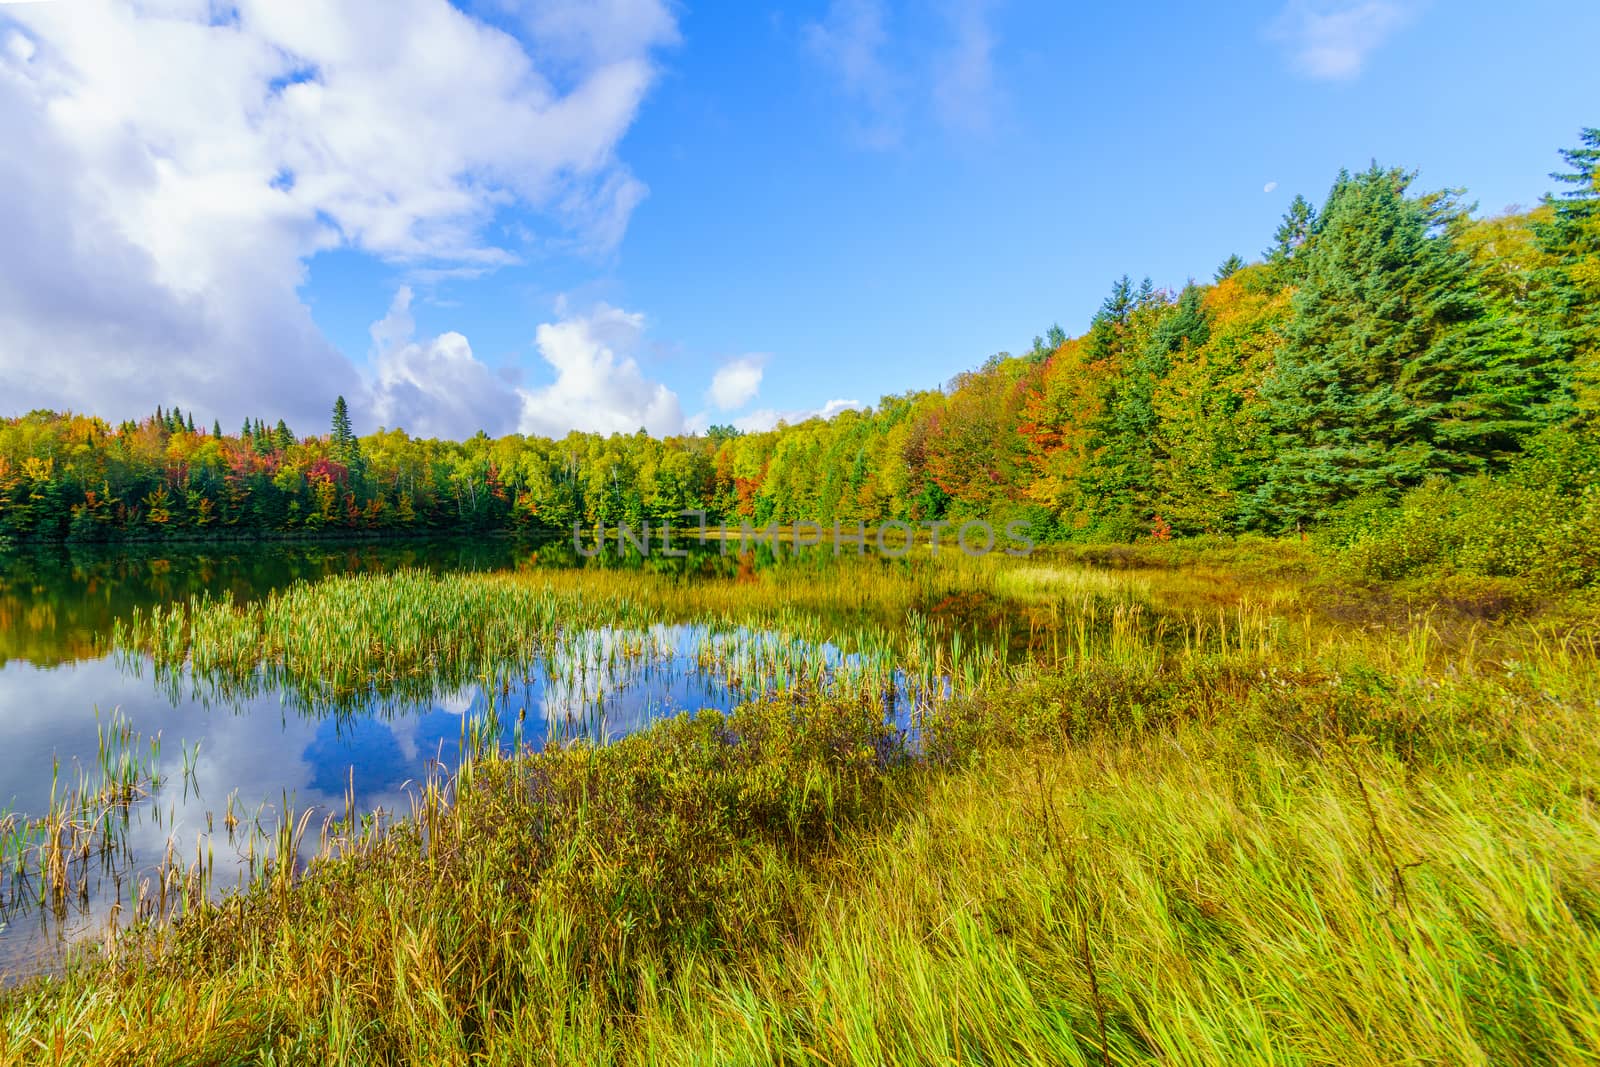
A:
[1191,809]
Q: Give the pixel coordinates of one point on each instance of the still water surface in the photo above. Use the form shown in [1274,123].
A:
[61,685]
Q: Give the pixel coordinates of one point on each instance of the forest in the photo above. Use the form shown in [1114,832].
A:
[1394,374]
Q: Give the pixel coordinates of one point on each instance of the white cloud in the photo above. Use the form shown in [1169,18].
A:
[963,88]
[167,174]
[1332,39]
[851,42]
[598,384]
[597,31]
[939,67]
[435,388]
[1270,187]
[767,418]
[20,47]
[736,383]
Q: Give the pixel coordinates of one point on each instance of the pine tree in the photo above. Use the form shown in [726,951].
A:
[1129,356]
[1230,266]
[1185,327]
[1115,309]
[1296,230]
[282,436]
[216,428]
[346,449]
[1375,387]
[190,423]
[343,436]
[1572,303]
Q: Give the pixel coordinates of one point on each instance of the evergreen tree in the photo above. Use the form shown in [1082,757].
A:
[1571,308]
[1374,388]
[1296,230]
[190,423]
[1185,327]
[1230,266]
[216,428]
[282,436]
[346,449]
[343,437]
[1127,345]
[1116,308]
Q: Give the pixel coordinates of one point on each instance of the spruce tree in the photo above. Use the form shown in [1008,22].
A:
[1296,230]
[346,449]
[1116,308]
[282,436]
[1131,342]
[1375,387]
[342,436]
[1230,266]
[216,428]
[1572,287]
[1186,326]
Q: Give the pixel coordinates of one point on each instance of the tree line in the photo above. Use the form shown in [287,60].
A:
[1386,340]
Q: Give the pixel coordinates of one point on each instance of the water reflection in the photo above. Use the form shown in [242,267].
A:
[263,749]
[254,745]
[57,602]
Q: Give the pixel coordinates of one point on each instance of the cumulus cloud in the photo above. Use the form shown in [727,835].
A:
[168,174]
[1270,187]
[435,388]
[1331,39]
[598,385]
[736,383]
[767,418]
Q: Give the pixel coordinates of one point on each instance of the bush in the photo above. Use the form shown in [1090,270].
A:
[1485,528]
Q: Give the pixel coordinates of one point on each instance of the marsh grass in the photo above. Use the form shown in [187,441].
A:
[49,861]
[1215,828]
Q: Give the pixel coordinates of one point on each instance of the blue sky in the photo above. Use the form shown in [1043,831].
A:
[824,202]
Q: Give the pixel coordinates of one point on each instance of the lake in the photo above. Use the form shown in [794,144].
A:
[253,751]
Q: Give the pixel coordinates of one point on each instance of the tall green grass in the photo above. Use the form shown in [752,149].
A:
[1173,824]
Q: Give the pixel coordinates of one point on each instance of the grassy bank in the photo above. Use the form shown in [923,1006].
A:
[1180,821]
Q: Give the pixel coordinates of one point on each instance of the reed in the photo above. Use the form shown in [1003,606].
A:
[1135,821]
